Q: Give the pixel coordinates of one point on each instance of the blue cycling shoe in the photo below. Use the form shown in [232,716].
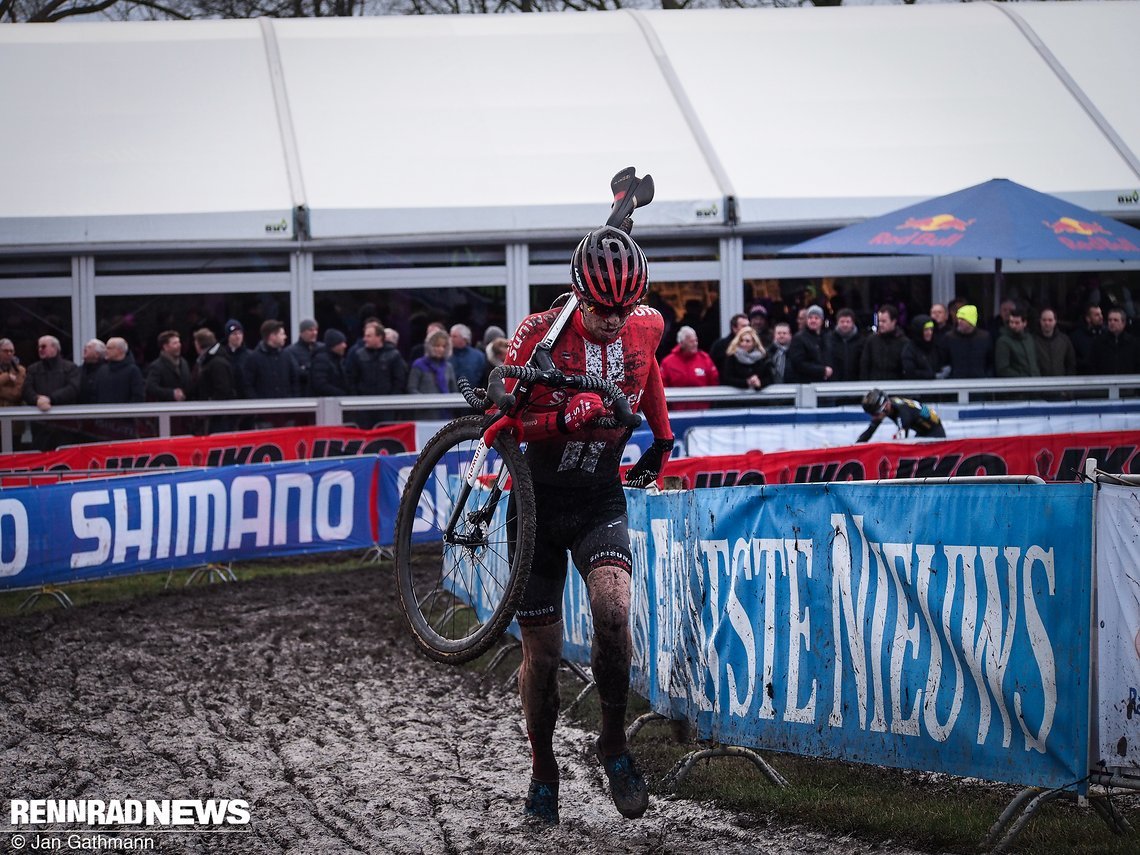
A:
[542,803]
[627,784]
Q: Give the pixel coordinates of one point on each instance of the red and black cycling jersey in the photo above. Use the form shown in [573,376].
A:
[591,455]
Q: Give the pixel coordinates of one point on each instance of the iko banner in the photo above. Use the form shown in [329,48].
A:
[1118,603]
[162,521]
[888,625]
[221,449]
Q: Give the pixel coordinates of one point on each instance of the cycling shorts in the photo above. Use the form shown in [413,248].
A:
[591,525]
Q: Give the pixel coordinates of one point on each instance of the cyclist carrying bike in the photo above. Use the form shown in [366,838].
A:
[580,504]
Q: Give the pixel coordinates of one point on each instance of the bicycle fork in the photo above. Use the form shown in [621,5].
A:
[481,516]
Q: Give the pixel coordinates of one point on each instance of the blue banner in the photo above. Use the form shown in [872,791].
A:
[76,531]
[938,628]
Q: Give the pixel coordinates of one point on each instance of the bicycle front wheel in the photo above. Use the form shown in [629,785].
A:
[461,573]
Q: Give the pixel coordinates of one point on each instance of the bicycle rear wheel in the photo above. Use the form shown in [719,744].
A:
[459,591]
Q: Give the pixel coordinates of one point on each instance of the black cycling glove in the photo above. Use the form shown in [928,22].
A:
[645,471]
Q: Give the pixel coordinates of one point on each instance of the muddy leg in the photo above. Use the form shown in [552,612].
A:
[538,688]
[610,656]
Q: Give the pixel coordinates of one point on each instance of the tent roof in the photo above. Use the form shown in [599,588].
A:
[487,125]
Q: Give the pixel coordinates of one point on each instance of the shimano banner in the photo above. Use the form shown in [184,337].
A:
[93,529]
[940,628]
[1118,598]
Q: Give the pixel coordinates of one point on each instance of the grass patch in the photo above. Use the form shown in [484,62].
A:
[157,584]
[878,805]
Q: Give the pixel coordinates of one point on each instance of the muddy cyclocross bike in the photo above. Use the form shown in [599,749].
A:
[466,524]
[465,527]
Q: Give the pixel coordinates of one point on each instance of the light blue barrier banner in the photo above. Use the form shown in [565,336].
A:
[93,529]
[938,628]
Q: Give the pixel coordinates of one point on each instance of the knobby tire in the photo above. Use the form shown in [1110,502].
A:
[441,624]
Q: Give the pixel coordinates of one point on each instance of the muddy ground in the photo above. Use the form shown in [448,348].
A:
[301,695]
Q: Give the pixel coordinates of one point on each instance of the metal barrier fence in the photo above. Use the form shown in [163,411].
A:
[332,411]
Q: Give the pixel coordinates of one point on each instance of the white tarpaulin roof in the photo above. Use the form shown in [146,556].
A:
[438,126]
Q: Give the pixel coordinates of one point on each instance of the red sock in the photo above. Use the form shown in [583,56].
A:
[543,765]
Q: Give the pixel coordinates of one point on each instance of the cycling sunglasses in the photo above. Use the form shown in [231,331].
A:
[609,311]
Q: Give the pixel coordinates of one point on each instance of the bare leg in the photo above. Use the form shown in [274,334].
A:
[538,689]
[611,652]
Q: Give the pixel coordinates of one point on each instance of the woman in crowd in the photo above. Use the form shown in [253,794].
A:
[432,373]
[745,365]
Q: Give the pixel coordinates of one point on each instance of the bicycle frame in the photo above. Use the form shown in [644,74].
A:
[539,359]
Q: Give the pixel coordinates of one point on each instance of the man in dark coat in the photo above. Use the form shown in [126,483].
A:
[1084,336]
[376,369]
[326,377]
[234,341]
[969,350]
[882,352]
[168,377]
[119,380]
[806,361]
[844,347]
[271,371]
[214,378]
[303,350]
[94,357]
[1117,351]
[51,381]
[1055,354]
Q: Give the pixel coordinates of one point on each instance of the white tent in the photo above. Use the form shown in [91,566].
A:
[437,127]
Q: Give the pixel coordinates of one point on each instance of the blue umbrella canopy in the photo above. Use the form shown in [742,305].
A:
[997,219]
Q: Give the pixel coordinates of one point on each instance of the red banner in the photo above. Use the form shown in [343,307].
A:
[222,449]
[1053,457]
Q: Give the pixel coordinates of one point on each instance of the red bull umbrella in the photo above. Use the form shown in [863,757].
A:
[998,219]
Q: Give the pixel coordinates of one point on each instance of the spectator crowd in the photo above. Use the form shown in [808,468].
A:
[948,342]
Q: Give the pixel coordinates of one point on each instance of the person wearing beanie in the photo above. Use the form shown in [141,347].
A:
[807,362]
[302,351]
[326,374]
[969,350]
[920,353]
[234,341]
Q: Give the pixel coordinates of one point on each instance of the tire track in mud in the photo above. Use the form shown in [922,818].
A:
[301,695]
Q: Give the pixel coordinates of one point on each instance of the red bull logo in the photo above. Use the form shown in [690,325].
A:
[937,223]
[1069,226]
[1080,236]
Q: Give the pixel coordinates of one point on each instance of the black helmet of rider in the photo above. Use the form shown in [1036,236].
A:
[875,402]
[609,269]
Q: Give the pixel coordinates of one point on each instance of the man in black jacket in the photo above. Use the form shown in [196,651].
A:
[53,380]
[1116,352]
[375,369]
[327,373]
[969,350]
[168,377]
[303,350]
[271,371]
[1085,335]
[214,378]
[844,347]
[882,352]
[806,361]
[119,380]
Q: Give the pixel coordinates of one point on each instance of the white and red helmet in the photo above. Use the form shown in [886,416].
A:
[609,269]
